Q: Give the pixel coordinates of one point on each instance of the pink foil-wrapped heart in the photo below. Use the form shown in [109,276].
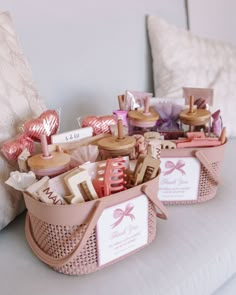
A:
[47,123]
[99,124]
[13,148]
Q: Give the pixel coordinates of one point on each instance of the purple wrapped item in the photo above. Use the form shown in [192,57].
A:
[217,124]
[169,115]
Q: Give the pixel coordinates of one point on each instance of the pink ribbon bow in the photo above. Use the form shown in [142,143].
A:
[172,167]
[119,213]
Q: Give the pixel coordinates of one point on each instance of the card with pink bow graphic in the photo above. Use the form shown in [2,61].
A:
[179,179]
[121,229]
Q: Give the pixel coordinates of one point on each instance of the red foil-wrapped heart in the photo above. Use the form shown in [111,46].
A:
[47,123]
[13,148]
[99,124]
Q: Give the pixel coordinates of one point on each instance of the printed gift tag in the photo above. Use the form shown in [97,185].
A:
[73,135]
[122,228]
[179,179]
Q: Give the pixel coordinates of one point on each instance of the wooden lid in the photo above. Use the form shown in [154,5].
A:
[141,116]
[56,160]
[113,143]
[195,118]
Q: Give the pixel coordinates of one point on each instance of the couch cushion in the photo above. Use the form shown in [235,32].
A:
[20,101]
[181,59]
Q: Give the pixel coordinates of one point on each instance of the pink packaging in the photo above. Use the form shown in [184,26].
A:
[135,99]
[11,149]
[204,93]
[47,123]
[99,124]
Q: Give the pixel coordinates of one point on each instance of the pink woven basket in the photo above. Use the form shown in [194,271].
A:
[210,163]
[64,236]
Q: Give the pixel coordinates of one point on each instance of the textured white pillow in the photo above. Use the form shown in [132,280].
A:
[181,58]
[19,101]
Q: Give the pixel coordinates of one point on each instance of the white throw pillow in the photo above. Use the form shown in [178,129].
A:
[19,101]
[182,59]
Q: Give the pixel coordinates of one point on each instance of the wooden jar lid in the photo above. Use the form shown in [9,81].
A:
[196,118]
[114,143]
[56,160]
[120,143]
[193,117]
[151,116]
[147,117]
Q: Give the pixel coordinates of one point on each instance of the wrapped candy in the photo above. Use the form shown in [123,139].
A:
[13,148]
[47,123]
[99,124]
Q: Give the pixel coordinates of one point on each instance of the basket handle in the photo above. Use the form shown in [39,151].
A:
[204,161]
[57,262]
[152,196]
[100,206]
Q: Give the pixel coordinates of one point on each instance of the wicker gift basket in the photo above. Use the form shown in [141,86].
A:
[65,238]
[209,161]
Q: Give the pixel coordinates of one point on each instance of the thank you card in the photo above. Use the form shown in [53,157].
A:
[179,179]
[122,229]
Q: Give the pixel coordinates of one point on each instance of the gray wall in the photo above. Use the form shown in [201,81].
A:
[214,19]
[84,53]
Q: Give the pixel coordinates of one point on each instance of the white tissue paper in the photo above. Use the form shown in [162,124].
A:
[20,181]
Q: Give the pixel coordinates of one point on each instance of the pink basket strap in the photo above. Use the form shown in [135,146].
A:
[152,195]
[100,206]
[204,161]
[57,262]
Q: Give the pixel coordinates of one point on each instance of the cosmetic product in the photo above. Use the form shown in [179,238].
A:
[120,114]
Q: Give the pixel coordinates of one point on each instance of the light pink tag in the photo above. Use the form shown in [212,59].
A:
[122,229]
[179,179]
[47,195]
[41,190]
[205,93]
